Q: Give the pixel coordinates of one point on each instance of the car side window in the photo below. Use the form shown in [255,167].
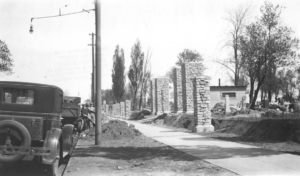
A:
[18,96]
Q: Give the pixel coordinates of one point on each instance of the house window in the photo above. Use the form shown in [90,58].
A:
[18,96]
[230,94]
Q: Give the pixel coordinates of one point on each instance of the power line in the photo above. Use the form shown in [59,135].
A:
[36,73]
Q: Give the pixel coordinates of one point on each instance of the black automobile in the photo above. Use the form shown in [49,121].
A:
[30,124]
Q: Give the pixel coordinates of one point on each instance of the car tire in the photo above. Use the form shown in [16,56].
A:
[24,141]
[79,126]
[53,168]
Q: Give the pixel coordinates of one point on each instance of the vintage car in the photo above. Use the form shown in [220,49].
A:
[30,124]
[71,112]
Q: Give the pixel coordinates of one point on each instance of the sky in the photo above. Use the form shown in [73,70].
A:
[57,52]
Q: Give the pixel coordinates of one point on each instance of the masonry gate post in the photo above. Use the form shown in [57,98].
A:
[189,71]
[162,95]
[127,109]
[177,90]
[201,96]
[122,110]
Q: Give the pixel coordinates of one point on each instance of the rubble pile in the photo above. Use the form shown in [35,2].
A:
[219,108]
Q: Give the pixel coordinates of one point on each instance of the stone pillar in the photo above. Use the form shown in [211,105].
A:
[122,110]
[227,109]
[127,109]
[177,90]
[103,107]
[189,71]
[201,96]
[115,110]
[118,109]
[162,95]
[107,109]
[153,97]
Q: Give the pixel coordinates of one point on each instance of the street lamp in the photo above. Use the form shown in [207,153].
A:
[31,29]
[98,64]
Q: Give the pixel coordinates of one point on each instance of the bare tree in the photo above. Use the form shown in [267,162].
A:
[145,78]
[236,19]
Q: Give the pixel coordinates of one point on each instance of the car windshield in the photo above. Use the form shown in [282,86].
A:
[18,96]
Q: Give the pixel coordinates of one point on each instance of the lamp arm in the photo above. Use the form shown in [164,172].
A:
[35,18]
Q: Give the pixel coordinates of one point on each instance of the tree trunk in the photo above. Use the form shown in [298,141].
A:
[252,106]
[141,98]
[236,73]
[236,79]
[269,95]
[261,94]
[251,90]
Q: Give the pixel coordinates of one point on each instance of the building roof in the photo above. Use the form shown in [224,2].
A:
[228,88]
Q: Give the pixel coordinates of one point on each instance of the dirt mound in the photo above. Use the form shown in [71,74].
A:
[182,120]
[277,130]
[136,115]
[115,130]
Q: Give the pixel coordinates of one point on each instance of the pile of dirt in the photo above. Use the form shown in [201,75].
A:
[277,130]
[219,108]
[181,120]
[136,115]
[116,130]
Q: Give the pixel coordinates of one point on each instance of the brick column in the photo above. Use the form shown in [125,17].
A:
[107,109]
[153,97]
[122,110]
[162,95]
[103,106]
[201,95]
[189,70]
[177,90]
[127,109]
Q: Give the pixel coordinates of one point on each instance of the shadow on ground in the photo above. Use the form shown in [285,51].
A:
[134,153]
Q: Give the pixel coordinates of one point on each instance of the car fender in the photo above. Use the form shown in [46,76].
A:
[67,136]
[52,139]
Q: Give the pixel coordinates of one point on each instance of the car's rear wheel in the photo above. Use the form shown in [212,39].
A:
[79,126]
[12,136]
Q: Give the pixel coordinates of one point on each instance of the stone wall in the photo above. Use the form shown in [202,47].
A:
[201,101]
[189,71]
[162,95]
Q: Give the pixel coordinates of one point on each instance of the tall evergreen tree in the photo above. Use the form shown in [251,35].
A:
[135,73]
[118,74]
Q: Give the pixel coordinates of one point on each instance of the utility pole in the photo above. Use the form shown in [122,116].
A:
[98,73]
[93,70]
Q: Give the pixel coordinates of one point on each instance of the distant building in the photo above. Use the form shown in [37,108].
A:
[218,93]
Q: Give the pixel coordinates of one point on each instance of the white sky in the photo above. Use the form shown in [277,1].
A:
[58,53]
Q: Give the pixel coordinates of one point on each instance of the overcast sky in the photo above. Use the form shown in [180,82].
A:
[58,53]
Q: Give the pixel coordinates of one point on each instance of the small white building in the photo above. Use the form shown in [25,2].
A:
[217,94]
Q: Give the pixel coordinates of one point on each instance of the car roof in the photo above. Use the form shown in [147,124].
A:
[17,83]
